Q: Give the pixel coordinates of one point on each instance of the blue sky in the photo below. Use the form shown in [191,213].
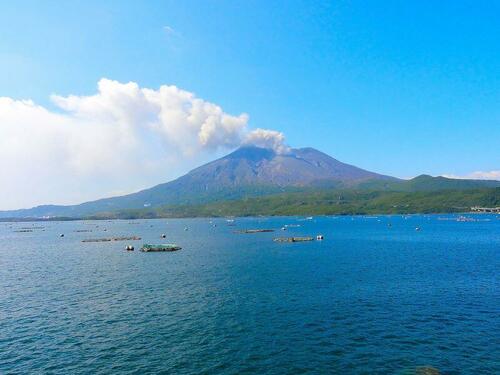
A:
[401,88]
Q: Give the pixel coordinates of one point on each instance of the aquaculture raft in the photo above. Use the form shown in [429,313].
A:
[293,239]
[254,231]
[134,238]
[159,248]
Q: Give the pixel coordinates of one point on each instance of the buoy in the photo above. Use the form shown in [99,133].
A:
[129,248]
[163,236]
[319,237]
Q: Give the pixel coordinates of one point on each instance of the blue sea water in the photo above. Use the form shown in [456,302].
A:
[374,297]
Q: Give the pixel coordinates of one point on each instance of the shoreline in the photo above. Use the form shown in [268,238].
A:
[63,219]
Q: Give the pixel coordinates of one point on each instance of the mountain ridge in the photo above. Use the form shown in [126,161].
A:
[252,171]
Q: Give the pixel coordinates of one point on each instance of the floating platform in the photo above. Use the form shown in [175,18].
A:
[160,248]
[134,238]
[97,240]
[293,239]
[254,231]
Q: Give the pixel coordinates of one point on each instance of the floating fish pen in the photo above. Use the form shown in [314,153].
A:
[254,231]
[134,238]
[293,239]
[160,248]
[97,240]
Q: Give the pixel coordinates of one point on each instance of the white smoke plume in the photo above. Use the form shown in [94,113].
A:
[267,139]
[119,140]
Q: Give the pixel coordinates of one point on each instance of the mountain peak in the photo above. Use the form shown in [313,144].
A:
[253,165]
[251,152]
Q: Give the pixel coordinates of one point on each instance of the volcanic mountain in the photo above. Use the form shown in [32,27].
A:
[252,171]
[251,165]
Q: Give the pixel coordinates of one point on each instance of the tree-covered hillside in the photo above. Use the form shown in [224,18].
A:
[329,202]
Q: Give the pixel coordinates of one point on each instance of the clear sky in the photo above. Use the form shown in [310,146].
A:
[397,87]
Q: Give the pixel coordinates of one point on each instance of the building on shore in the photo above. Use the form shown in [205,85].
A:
[485,209]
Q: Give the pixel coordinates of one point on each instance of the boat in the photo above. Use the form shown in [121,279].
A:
[306,218]
[465,218]
[158,248]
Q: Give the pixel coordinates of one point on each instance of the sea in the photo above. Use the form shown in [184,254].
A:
[415,294]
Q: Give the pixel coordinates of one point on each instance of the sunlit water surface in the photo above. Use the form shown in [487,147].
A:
[375,296]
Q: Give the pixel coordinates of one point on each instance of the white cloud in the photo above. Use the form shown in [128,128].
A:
[171,33]
[478,175]
[123,138]
[169,30]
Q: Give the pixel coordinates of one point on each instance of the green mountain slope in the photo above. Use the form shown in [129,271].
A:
[332,202]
